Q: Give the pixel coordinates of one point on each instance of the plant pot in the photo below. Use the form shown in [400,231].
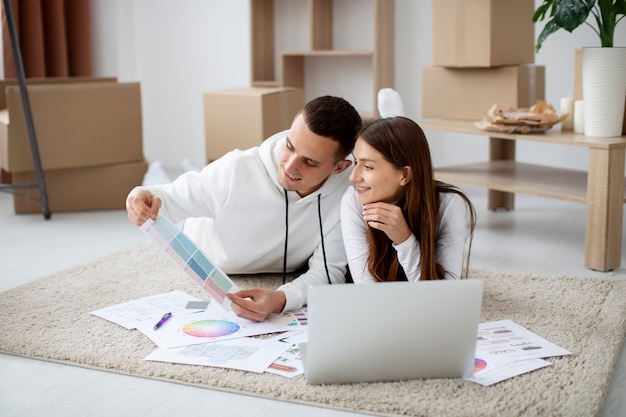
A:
[604,90]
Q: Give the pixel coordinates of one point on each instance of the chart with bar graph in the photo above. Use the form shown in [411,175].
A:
[186,254]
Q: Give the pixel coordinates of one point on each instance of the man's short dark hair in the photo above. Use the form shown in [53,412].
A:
[334,118]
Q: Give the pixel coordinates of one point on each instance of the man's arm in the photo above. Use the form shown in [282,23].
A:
[258,303]
[142,205]
[193,194]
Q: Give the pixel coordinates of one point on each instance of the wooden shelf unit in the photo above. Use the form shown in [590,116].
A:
[601,187]
[320,37]
[518,177]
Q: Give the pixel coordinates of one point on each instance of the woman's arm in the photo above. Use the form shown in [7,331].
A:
[354,231]
[454,232]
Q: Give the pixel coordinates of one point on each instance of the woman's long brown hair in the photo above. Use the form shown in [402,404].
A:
[402,143]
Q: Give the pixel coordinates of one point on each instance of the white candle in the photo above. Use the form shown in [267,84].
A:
[567,107]
[579,119]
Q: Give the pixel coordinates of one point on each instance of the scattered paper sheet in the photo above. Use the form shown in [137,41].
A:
[209,325]
[505,349]
[296,319]
[504,371]
[195,263]
[244,353]
[147,309]
[506,341]
[289,364]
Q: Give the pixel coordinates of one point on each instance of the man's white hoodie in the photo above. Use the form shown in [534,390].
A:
[235,210]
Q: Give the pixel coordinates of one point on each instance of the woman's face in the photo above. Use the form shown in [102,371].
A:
[374,178]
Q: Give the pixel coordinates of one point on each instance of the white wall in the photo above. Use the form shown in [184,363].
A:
[178,50]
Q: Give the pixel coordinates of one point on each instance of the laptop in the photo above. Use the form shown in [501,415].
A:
[391,331]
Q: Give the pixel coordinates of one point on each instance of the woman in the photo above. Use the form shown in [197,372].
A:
[398,222]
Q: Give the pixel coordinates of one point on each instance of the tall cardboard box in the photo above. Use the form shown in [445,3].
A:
[241,118]
[6,176]
[76,125]
[483,33]
[468,93]
[89,136]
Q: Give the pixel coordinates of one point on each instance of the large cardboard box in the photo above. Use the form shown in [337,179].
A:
[103,187]
[468,93]
[49,80]
[241,118]
[483,33]
[4,118]
[76,125]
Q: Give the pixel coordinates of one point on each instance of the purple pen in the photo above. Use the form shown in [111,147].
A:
[162,321]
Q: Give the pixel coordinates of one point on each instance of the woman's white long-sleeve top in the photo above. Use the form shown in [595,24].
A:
[453,238]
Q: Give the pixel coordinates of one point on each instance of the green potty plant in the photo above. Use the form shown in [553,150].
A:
[569,14]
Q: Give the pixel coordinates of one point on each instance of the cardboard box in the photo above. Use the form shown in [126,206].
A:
[49,80]
[483,33]
[5,177]
[76,125]
[241,118]
[103,187]
[467,94]
[4,121]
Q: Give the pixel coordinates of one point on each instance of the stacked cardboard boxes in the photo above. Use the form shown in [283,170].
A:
[240,118]
[483,54]
[89,136]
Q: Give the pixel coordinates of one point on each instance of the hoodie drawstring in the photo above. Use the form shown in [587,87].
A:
[286,237]
[319,216]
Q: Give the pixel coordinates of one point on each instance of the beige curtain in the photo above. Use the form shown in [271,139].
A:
[54,37]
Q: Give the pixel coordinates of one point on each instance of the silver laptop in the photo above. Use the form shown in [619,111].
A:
[391,331]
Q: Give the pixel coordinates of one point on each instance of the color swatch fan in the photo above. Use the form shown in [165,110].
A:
[187,255]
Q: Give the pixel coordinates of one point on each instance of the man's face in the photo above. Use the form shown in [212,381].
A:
[307,159]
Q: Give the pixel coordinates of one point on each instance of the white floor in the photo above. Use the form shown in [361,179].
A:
[540,235]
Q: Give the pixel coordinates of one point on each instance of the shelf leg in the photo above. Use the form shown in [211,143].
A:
[605,204]
[501,149]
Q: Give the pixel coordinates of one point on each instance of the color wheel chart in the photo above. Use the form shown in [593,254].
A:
[184,252]
[210,328]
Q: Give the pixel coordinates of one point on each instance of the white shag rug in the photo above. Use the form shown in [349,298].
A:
[49,319]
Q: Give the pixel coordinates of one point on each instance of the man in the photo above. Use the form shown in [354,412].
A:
[271,208]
